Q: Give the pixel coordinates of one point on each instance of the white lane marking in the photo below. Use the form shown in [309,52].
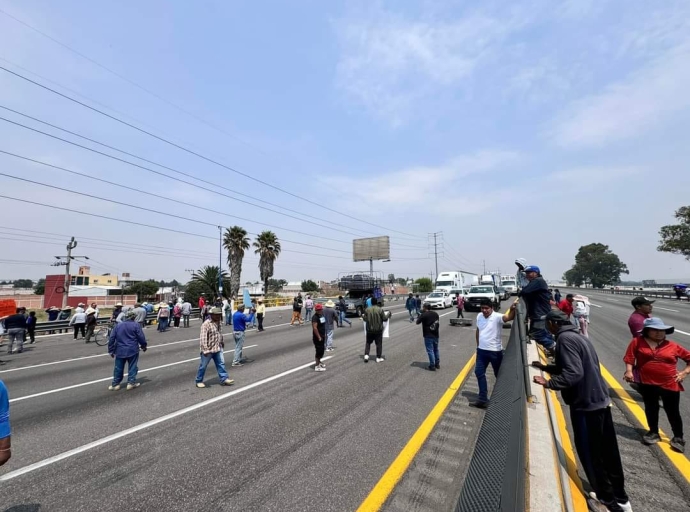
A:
[81,449]
[595,305]
[666,309]
[57,390]
[683,332]
[612,300]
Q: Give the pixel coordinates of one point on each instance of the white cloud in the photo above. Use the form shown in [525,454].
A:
[589,176]
[389,62]
[425,185]
[631,107]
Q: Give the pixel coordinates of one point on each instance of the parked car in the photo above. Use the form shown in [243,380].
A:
[503,293]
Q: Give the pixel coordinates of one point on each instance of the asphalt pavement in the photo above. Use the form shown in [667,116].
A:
[283,437]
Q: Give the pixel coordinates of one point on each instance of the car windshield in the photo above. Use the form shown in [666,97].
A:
[444,283]
[481,289]
[435,295]
[508,283]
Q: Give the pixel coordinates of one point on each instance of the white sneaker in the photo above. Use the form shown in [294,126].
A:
[626,506]
[227,382]
[114,388]
[319,368]
[380,359]
[200,385]
[366,359]
[132,386]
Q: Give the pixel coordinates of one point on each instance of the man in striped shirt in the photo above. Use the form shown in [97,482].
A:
[211,349]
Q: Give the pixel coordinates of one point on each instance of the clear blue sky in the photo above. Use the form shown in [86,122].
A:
[519,129]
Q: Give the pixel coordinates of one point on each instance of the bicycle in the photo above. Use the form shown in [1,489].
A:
[102,335]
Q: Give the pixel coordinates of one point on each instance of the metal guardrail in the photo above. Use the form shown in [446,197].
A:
[496,478]
[635,293]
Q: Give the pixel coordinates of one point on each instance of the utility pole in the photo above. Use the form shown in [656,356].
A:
[484,262]
[436,243]
[68,260]
[220,260]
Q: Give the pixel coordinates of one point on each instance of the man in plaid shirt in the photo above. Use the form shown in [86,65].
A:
[211,348]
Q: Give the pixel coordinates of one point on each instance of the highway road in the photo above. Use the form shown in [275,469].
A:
[282,438]
[653,482]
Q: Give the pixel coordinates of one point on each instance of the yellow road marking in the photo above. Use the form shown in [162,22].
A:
[384,487]
[679,460]
[576,490]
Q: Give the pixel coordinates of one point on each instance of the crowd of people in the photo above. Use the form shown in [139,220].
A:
[651,367]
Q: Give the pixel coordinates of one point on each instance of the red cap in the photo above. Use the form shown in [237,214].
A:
[318,307]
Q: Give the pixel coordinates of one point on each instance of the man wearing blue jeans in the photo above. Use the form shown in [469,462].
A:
[211,349]
[489,346]
[342,311]
[430,324]
[239,326]
[123,345]
[538,300]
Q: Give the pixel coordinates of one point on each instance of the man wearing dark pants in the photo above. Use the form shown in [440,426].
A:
[538,300]
[374,318]
[489,346]
[576,373]
[318,327]
[429,320]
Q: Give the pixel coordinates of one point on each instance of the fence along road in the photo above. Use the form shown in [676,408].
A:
[262,444]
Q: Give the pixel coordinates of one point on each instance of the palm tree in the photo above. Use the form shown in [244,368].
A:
[206,279]
[235,242]
[268,249]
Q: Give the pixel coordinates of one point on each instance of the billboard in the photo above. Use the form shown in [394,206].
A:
[376,248]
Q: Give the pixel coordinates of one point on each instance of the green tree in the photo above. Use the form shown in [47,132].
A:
[309,286]
[675,238]
[424,284]
[391,278]
[235,242]
[573,278]
[40,287]
[595,264]
[402,281]
[207,279]
[143,290]
[267,247]
[23,283]
[276,285]
[193,290]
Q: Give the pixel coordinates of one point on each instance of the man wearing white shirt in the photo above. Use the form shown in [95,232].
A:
[489,346]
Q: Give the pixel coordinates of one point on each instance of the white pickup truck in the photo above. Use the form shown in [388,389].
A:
[479,292]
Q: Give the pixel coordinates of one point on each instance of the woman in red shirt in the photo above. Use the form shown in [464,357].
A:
[651,361]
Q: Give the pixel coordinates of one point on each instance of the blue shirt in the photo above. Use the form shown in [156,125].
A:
[369,302]
[4,412]
[125,339]
[239,321]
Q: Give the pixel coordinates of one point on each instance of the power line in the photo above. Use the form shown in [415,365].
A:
[131,82]
[198,155]
[101,180]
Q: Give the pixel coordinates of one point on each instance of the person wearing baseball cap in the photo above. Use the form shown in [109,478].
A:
[318,327]
[651,361]
[577,375]
[538,301]
[643,310]
[239,327]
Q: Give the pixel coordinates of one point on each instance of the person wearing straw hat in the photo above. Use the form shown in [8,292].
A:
[163,317]
[651,361]
[260,314]
[91,321]
[123,346]
[331,316]
[211,349]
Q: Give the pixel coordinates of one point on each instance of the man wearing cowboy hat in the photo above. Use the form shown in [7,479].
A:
[91,321]
[211,349]
[331,316]
[123,346]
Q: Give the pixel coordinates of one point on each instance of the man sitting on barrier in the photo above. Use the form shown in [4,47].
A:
[576,373]
[489,346]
